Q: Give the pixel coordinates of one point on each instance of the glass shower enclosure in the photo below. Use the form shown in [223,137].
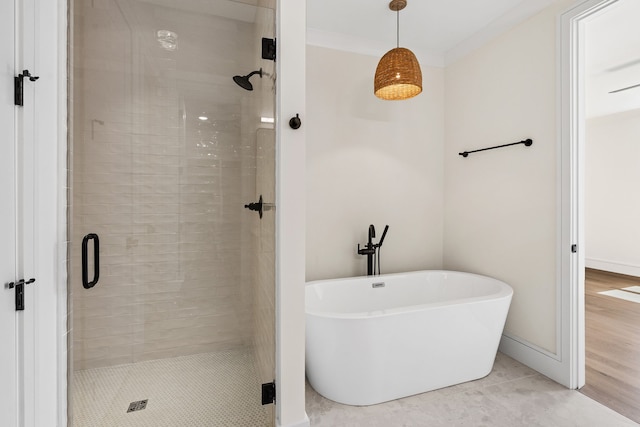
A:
[171,284]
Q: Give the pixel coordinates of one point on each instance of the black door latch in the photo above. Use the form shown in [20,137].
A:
[19,285]
[19,86]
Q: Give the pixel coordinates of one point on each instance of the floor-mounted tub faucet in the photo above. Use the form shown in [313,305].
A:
[371,250]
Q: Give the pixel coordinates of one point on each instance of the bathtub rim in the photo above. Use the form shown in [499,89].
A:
[505,292]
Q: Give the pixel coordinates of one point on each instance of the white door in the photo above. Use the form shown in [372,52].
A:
[8,365]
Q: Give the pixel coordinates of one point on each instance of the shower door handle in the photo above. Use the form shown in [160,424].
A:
[85,262]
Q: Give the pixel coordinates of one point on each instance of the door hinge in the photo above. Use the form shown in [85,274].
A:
[18,83]
[269,393]
[269,49]
[19,285]
[574,248]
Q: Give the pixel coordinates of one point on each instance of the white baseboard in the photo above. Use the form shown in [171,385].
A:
[304,423]
[548,364]
[614,267]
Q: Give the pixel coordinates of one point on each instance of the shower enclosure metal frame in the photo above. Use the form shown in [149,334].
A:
[135,100]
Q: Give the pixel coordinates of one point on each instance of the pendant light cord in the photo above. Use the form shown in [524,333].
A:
[397,27]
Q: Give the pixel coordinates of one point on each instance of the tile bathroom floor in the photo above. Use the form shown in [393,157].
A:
[511,395]
[204,390]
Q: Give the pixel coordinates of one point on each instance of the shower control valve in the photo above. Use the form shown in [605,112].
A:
[257,206]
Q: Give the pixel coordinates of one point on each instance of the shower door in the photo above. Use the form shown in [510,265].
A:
[171,279]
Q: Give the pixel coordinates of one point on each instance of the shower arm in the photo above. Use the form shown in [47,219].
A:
[253,73]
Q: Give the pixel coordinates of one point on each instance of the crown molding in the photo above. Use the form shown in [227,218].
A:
[349,43]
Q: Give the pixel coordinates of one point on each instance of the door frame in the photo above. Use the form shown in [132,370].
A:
[50,210]
[571,195]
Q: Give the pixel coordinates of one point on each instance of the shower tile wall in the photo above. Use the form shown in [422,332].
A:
[163,189]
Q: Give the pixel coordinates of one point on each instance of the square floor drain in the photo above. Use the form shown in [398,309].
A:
[137,406]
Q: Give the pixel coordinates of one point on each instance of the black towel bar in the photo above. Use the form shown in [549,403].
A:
[526,142]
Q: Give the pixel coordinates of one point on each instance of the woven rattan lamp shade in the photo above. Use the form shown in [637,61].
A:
[398,75]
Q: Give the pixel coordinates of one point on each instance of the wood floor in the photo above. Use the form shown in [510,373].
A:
[612,344]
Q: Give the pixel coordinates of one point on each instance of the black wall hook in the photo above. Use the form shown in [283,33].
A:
[18,97]
[295,122]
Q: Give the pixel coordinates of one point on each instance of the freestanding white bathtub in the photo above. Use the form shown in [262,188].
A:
[378,338]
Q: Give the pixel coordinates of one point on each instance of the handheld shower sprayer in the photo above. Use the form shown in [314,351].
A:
[384,233]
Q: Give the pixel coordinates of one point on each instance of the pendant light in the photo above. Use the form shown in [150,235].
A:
[398,75]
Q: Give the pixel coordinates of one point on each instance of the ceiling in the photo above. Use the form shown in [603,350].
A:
[433,27]
[613,59]
[439,32]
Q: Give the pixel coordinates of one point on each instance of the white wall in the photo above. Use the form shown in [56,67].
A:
[500,206]
[290,215]
[371,162]
[612,200]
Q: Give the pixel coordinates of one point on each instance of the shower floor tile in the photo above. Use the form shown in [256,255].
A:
[210,389]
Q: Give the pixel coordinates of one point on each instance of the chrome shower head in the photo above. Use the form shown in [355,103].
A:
[243,81]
